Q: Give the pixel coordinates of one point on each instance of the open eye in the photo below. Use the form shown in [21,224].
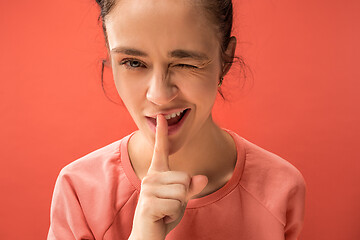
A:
[132,63]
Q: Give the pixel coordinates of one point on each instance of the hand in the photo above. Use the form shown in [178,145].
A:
[164,194]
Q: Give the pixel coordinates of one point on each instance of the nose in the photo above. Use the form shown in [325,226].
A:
[161,91]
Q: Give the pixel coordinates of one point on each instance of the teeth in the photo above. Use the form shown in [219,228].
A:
[173,115]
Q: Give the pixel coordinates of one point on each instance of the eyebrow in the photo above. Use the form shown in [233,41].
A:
[178,53]
[129,51]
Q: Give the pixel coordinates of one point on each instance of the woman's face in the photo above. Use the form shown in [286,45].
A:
[165,58]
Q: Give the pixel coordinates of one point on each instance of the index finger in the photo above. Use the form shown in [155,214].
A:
[160,159]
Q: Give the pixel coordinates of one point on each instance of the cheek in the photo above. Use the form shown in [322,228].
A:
[201,88]
[126,81]
[129,89]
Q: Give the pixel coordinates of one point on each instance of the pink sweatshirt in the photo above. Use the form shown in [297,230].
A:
[95,198]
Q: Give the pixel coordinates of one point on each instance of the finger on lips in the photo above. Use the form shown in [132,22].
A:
[171,189]
[160,159]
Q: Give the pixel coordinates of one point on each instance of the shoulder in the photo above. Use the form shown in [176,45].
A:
[271,180]
[97,175]
[91,164]
[93,188]
[269,165]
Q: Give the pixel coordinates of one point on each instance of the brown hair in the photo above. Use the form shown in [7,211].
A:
[219,11]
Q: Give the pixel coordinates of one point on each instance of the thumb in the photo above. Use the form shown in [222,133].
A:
[197,184]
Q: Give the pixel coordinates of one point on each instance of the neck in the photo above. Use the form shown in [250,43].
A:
[203,154]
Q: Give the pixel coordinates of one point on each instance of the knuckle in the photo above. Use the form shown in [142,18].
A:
[186,178]
[147,205]
[145,180]
[180,189]
[146,196]
[149,179]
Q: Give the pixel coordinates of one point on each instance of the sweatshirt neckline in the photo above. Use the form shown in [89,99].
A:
[198,202]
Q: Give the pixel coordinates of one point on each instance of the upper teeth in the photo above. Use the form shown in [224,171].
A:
[173,115]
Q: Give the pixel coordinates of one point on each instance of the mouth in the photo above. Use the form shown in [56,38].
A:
[174,120]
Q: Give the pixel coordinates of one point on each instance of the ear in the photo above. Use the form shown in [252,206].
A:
[229,55]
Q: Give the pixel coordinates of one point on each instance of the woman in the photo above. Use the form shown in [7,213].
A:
[180,176]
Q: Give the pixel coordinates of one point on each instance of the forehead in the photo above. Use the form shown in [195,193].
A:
[160,24]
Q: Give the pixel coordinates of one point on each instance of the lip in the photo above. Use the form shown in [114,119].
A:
[173,128]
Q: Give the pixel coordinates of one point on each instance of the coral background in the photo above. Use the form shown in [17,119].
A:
[302,103]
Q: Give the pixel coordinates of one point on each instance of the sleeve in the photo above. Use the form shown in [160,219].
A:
[67,220]
[295,209]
